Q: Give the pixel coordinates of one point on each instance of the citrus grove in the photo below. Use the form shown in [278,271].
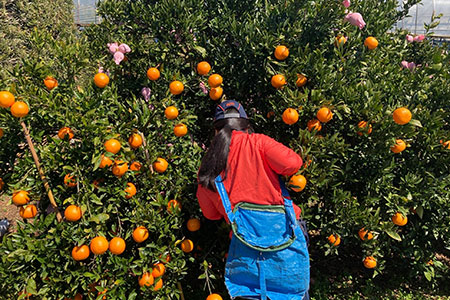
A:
[118,117]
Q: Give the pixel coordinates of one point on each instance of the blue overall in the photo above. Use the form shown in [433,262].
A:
[268,256]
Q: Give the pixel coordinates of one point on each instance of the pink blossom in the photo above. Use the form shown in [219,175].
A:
[355,19]
[124,48]
[404,64]
[409,38]
[203,88]
[346,3]
[118,57]
[419,38]
[113,47]
[146,92]
[100,70]
[408,65]
[169,145]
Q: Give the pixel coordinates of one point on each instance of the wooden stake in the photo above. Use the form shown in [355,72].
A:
[41,171]
[181,290]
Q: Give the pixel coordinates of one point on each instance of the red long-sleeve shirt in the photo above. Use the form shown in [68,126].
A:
[255,161]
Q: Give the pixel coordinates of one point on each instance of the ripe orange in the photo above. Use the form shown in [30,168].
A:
[6,99]
[214,297]
[364,234]
[301,80]
[364,127]
[324,115]
[72,213]
[399,219]
[135,166]
[50,82]
[445,144]
[28,212]
[130,190]
[158,270]
[171,112]
[97,182]
[2,183]
[281,52]
[117,245]
[165,260]
[80,253]
[102,293]
[158,285]
[371,42]
[99,245]
[105,162]
[278,81]
[340,40]
[70,181]
[203,68]
[193,224]
[297,183]
[290,116]
[334,240]
[153,74]
[370,262]
[20,198]
[215,80]
[112,145]
[146,279]
[160,165]
[140,234]
[65,131]
[173,205]
[119,168]
[77,297]
[399,146]
[20,109]
[270,114]
[216,93]
[101,80]
[314,124]
[180,130]
[1,133]
[135,140]
[402,116]
[176,87]
[187,246]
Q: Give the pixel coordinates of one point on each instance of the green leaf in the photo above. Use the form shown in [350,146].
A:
[415,123]
[419,211]
[393,235]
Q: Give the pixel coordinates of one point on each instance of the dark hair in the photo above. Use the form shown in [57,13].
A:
[216,158]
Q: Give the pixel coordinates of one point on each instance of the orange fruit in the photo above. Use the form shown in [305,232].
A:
[50,83]
[70,181]
[216,93]
[215,80]
[281,52]
[278,81]
[1,133]
[65,131]
[158,270]
[445,144]
[399,146]
[371,42]
[193,224]
[20,198]
[187,246]
[165,260]
[402,116]
[130,190]
[297,183]
[176,87]
[2,183]
[20,109]
[119,168]
[158,285]
[135,166]
[160,165]
[370,262]
[301,80]
[112,145]
[324,115]
[270,114]
[290,116]
[363,126]
[334,240]
[314,124]
[80,253]
[105,162]
[140,234]
[97,182]
[72,213]
[153,74]
[99,245]
[364,234]
[101,293]
[214,297]
[340,40]
[180,130]
[173,205]
[399,219]
[146,279]
[6,99]
[203,68]
[117,245]
[171,112]
[101,80]
[135,140]
[28,212]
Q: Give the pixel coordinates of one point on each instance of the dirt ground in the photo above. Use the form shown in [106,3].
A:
[8,211]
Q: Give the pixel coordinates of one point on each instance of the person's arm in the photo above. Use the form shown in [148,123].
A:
[206,199]
[281,159]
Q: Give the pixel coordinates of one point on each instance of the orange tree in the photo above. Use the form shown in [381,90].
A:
[371,200]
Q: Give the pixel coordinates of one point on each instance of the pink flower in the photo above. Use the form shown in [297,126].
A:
[355,19]
[409,38]
[118,57]
[203,88]
[112,47]
[100,70]
[146,92]
[419,38]
[411,66]
[346,3]
[169,145]
[404,64]
[124,48]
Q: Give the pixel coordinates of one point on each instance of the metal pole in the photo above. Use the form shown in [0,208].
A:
[417,16]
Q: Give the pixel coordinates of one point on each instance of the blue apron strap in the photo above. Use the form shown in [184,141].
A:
[262,277]
[284,190]
[224,196]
